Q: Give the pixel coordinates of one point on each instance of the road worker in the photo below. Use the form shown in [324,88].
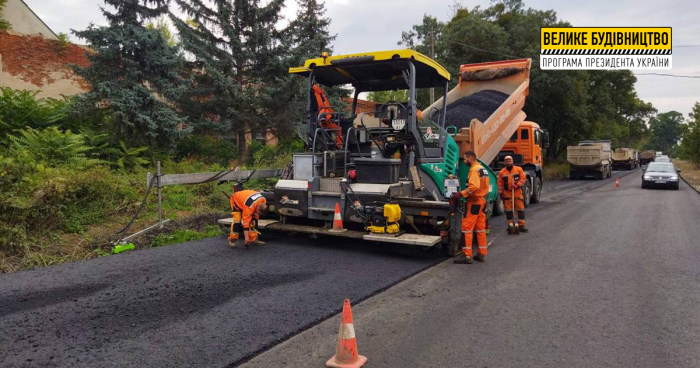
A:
[247,207]
[510,182]
[475,220]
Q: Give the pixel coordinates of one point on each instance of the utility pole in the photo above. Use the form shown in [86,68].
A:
[432,56]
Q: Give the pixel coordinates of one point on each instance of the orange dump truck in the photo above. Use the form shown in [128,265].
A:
[504,132]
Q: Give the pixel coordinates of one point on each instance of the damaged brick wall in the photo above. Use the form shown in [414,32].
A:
[37,63]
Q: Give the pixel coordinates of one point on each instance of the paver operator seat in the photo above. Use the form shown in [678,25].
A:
[327,117]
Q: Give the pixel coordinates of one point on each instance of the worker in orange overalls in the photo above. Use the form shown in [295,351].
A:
[510,181]
[475,220]
[247,206]
[324,107]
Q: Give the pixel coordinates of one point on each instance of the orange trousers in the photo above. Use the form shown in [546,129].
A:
[519,206]
[475,222]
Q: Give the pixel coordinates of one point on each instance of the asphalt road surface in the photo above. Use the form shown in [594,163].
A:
[196,304]
[606,277]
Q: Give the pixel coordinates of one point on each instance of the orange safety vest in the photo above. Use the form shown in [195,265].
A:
[506,180]
[477,183]
[246,202]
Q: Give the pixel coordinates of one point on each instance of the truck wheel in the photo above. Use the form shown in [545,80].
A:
[527,194]
[537,193]
[572,175]
[498,207]
[600,175]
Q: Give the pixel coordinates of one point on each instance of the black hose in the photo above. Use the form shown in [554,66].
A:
[143,203]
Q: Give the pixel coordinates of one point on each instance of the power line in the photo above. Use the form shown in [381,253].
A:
[489,51]
[687,46]
[669,75]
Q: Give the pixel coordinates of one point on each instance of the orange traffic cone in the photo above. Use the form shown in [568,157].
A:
[337,220]
[617,182]
[346,354]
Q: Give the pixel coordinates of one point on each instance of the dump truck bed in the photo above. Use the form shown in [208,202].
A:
[589,153]
[485,108]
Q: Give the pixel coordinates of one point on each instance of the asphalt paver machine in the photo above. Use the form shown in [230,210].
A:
[390,171]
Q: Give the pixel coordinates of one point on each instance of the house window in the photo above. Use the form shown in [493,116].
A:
[259,136]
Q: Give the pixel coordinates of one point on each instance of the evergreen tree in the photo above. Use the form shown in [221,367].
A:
[240,59]
[133,73]
[309,33]
[310,36]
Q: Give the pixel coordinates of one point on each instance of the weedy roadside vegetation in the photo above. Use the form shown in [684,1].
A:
[66,187]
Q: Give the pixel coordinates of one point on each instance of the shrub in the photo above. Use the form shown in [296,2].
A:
[20,109]
[210,149]
[51,147]
[556,170]
[262,156]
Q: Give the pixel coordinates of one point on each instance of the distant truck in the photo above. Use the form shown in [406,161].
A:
[625,159]
[590,158]
[646,157]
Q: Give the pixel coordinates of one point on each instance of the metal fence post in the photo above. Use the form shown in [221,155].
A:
[160,196]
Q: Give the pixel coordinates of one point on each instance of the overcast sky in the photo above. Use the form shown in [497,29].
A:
[370,25]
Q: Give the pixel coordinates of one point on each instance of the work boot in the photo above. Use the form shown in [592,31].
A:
[522,228]
[254,242]
[462,258]
[232,243]
[480,257]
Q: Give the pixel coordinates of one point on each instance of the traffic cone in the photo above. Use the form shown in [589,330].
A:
[337,220]
[617,182]
[346,353]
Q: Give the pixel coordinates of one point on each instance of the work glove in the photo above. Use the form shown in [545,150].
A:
[456,196]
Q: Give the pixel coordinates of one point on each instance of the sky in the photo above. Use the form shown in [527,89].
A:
[371,25]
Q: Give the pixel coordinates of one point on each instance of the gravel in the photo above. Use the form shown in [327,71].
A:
[479,105]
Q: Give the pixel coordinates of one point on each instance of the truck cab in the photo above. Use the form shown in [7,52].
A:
[526,146]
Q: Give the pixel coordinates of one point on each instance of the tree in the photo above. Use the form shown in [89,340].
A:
[571,104]
[4,24]
[162,26]
[309,36]
[134,73]
[240,63]
[425,38]
[386,96]
[667,129]
[690,145]
[309,33]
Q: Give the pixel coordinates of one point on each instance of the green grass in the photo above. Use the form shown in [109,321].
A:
[556,170]
[184,235]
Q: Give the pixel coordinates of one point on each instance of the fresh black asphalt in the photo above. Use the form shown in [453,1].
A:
[192,304]
[606,277]
[202,304]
